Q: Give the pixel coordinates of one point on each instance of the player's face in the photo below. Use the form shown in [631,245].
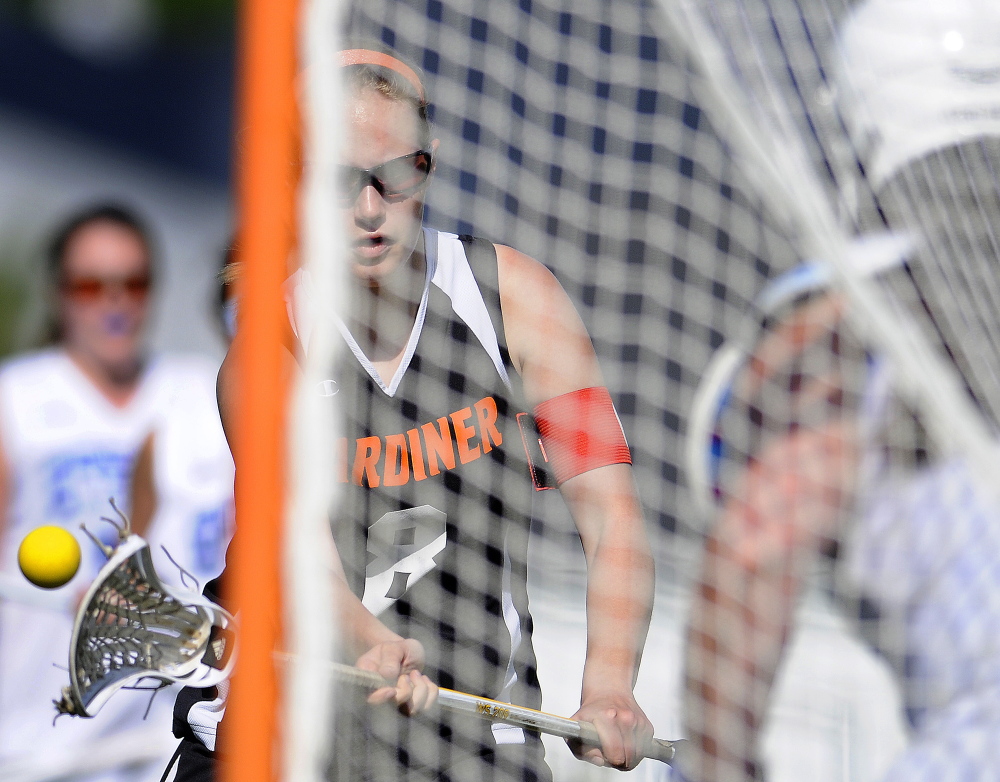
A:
[383,219]
[103,294]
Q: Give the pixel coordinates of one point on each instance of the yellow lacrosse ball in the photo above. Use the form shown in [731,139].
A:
[49,556]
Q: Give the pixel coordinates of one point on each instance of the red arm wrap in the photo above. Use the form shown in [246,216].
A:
[580,432]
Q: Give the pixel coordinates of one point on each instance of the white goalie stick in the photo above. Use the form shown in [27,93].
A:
[131,626]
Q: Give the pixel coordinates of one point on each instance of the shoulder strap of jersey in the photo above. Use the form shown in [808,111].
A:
[482,257]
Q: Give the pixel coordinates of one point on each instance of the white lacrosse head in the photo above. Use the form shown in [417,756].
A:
[131,626]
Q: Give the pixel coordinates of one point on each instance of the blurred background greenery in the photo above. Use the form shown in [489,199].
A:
[180,19]
[23,309]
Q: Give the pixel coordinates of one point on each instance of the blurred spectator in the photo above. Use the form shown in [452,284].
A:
[72,418]
[182,484]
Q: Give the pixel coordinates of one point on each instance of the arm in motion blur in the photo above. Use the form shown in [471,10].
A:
[785,506]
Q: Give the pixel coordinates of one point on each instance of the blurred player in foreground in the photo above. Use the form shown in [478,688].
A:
[71,420]
[182,483]
[826,460]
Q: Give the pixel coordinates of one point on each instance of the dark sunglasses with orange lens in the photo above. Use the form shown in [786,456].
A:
[398,178]
[91,289]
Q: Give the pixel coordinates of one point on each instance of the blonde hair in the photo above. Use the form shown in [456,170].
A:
[392,85]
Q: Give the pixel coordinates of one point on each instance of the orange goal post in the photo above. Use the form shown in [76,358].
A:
[275,717]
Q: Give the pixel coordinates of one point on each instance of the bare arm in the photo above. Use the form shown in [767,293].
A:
[745,599]
[143,489]
[375,646]
[552,351]
[227,393]
[785,506]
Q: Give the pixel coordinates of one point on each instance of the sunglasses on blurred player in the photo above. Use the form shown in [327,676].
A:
[398,178]
[91,289]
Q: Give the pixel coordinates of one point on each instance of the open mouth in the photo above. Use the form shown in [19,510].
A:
[371,248]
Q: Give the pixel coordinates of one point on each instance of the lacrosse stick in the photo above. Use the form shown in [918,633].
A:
[497,711]
[131,626]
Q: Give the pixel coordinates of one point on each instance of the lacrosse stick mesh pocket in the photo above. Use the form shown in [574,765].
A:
[131,626]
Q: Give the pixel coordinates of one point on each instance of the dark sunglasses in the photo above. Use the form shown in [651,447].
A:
[395,179]
[91,289]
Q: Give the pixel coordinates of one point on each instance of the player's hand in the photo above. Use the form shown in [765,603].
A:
[400,661]
[624,729]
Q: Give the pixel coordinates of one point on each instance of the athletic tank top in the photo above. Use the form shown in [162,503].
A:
[433,522]
[433,526]
[193,474]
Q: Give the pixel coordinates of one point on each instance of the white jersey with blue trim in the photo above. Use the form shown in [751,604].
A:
[68,449]
[193,474]
[927,549]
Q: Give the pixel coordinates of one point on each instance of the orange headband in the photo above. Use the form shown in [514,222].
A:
[369,57]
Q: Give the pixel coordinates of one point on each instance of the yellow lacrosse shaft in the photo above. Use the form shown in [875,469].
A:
[497,711]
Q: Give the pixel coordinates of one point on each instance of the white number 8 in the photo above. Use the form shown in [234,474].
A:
[401,549]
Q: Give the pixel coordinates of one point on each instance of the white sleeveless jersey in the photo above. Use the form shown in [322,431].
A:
[68,450]
[193,474]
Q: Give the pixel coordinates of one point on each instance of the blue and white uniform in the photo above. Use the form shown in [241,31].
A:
[193,474]
[68,449]
[926,551]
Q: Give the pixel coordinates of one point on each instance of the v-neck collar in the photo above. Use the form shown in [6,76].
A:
[430,263]
[98,397]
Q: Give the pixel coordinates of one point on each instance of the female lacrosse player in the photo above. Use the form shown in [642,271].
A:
[450,338]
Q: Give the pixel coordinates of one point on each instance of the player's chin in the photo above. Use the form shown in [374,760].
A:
[372,276]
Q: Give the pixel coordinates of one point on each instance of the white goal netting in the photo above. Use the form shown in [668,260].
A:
[775,219]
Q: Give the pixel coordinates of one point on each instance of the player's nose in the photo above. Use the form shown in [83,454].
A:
[369,208]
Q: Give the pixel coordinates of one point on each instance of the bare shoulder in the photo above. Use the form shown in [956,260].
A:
[530,294]
[523,276]
[143,486]
[226,393]
[547,339]
[228,387]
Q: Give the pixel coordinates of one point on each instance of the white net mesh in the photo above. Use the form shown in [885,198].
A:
[859,420]
[667,164]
